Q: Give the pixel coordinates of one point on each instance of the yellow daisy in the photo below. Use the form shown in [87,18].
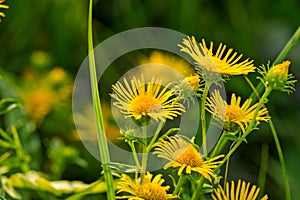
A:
[148,189]
[225,64]
[241,192]
[184,155]
[234,114]
[2,6]
[143,101]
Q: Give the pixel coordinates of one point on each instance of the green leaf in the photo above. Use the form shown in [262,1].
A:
[122,167]
[5,135]
[207,188]
[5,144]
[230,136]
[93,188]
[8,104]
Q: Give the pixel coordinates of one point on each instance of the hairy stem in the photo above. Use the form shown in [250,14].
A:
[145,153]
[178,185]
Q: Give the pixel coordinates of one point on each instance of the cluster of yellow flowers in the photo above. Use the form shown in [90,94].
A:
[145,101]
[42,92]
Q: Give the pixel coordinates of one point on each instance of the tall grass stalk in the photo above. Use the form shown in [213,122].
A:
[103,148]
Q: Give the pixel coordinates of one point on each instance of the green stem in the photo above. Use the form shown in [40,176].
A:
[145,153]
[282,55]
[219,146]
[156,134]
[282,162]
[263,169]
[102,143]
[135,157]
[203,120]
[198,189]
[226,173]
[262,178]
[178,185]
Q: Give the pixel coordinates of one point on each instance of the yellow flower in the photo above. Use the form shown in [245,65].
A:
[57,75]
[176,63]
[234,114]
[241,192]
[225,64]
[2,6]
[144,101]
[39,101]
[184,155]
[148,189]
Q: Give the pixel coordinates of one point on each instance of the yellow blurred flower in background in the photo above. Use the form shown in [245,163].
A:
[176,63]
[39,101]
[41,92]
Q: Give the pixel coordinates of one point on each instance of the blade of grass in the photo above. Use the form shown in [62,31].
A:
[103,148]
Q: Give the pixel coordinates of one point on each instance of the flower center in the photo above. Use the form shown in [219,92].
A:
[144,104]
[190,157]
[234,113]
[151,191]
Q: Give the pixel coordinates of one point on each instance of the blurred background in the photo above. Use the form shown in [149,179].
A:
[43,44]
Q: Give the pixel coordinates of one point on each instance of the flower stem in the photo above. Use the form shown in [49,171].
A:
[219,146]
[178,185]
[282,55]
[261,180]
[203,120]
[156,134]
[145,153]
[198,189]
[282,162]
[102,143]
[137,162]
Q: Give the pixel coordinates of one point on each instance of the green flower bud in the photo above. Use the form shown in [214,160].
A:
[278,75]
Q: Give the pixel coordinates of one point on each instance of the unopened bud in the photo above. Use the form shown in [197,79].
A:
[278,75]
[193,82]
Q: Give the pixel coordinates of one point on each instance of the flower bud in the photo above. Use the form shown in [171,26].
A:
[194,82]
[278,75]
